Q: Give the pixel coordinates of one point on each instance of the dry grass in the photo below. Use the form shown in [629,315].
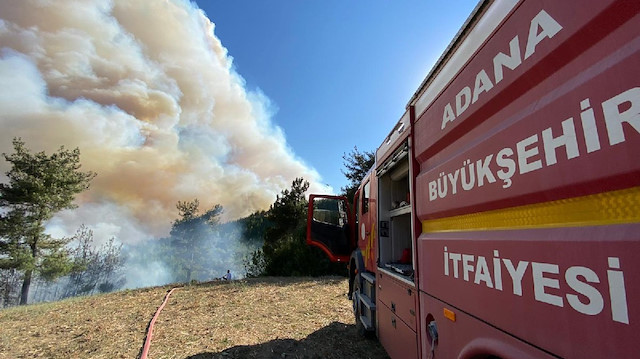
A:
[258,318]
[104,326]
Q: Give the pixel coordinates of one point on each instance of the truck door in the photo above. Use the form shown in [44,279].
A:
[330,226]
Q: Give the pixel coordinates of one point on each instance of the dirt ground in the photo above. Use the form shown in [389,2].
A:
[256,318]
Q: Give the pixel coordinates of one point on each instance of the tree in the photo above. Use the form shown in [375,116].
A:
[285,251]
[82,277]
[9,281]
[189,233]
[94,268]
[110,263]
[288,213]
[252,227]
[39,187]
[252,233]
[356,164]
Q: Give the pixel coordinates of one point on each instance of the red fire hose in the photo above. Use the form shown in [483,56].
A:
[147,341]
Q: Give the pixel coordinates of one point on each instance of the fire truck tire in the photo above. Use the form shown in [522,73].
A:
[356,265]
[352,275]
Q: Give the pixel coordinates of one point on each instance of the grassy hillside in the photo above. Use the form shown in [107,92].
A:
[256,318]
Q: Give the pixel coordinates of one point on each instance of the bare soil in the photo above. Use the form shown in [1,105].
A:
[255,318]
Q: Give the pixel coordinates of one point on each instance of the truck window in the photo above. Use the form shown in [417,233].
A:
[365,198]
[328,225]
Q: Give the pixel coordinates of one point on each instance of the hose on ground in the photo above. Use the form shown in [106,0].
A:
[147,340]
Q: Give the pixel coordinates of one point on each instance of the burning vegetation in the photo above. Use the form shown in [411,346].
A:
[199,247]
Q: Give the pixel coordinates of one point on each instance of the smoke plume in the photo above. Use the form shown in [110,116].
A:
[149,94]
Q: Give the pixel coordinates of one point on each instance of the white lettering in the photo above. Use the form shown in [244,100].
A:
[542,26]
[482,272]
[567,139]
[614,117]
[447,116]
[579,291]
[433,191]
[507,163]
[484,171]
[549,26]
[472,175]
[596,303]
[442,185]
[621,113]
[511,61]
[467,267]
[483,84]
[540,282]
[516,274]
[617,292]
[464,94]
[524,155]
[497,272]
[589,127]
[454,181]
[446,261]
[455,258]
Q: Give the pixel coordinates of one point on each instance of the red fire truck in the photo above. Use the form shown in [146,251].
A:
[502,216]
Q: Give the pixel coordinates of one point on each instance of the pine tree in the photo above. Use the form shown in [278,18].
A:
[39,187]
[189,235]
[356,164]
[285,252]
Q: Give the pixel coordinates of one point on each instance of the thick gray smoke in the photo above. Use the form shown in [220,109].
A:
[150,96]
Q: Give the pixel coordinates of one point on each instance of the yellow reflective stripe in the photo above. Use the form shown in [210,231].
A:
[614,207]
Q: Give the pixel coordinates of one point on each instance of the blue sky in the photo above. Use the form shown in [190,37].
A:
[338,73]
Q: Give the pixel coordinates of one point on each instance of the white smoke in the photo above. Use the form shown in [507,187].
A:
[150,96]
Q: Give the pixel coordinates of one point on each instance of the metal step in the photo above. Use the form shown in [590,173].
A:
[369,285]
[367,302]
[368,277]
[366,322]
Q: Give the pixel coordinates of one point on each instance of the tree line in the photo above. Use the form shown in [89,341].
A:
[199,247]
[285,252]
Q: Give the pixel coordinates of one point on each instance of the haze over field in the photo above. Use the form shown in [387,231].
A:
[150,96]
